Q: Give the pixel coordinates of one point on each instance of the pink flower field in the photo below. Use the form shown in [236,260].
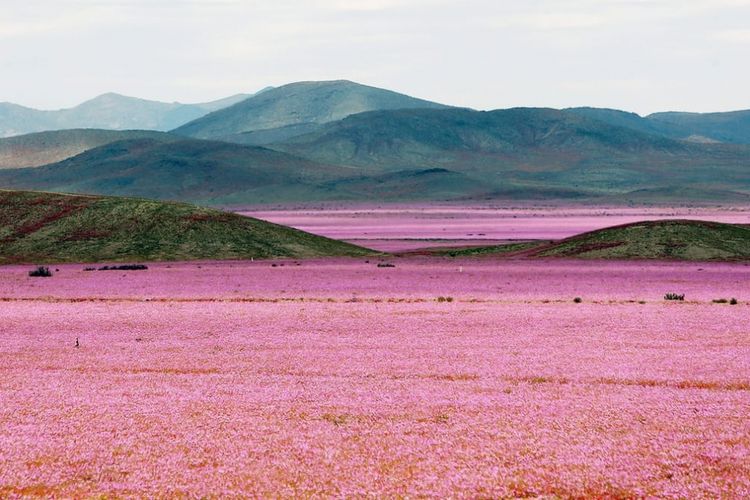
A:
[338,378]
[405,227]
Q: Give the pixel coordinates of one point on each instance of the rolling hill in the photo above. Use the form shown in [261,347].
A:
[42,148]
[108,111]
[664,239]
[296,108]
[207,172]
[46,228]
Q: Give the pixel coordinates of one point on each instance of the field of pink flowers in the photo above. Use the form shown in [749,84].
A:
[339,378]
[394,228]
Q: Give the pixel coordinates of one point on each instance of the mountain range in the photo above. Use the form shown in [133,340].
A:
[340,140]
[107,111]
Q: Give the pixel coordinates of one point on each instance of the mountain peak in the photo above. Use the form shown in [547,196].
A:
[299,103]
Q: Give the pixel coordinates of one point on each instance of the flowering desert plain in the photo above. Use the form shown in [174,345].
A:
[436,377]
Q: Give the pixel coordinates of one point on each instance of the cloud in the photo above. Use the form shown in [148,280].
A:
[734,36]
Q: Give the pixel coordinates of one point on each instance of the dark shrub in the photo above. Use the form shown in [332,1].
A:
[674,296]
[733,301]
[386,264]
[124,267]
[720,301]
[578,300]
[445,299]
[40,272]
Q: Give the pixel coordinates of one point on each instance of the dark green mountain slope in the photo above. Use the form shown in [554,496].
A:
[47,227]
[525,149]
[187,170]
[633,121]
[301,104]
[731,127]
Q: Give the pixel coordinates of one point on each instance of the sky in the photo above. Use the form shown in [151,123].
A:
[637,55]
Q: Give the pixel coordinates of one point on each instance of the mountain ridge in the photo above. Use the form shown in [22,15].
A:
[298,103]
[107,111]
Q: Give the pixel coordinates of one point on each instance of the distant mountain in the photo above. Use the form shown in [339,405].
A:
[730,127]
[413,154]
[525,150]
[189,170]
[286,111]
[41,148]
[47,228]
[107,111]
[733,126]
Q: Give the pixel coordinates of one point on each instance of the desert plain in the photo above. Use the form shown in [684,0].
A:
[437,377]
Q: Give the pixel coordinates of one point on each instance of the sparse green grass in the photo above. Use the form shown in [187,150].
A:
[50,227]
[486,250]
[670,239]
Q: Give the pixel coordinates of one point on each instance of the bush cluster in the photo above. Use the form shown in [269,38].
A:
[731,301]
[124,267]
[40,271]
[674,296]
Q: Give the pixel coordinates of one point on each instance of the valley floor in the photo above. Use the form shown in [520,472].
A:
[394,227]
[337,377]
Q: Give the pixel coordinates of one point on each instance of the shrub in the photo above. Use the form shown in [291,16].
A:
[674,296]
[89,269]
[386,264]
[445,299]
[720,301]
[124,267]
[578,300]
[40,271]
[733,301]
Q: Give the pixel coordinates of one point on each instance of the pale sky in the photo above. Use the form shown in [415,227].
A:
[638,55]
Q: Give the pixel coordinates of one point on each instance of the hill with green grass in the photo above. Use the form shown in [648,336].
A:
[38,227]
[665,239]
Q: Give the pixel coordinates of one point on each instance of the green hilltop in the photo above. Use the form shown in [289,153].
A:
[47,227]
[665,239]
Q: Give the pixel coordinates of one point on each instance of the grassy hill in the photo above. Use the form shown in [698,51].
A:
[42,148]
[667,239]
[47,227]
[296,106]
[108,111]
